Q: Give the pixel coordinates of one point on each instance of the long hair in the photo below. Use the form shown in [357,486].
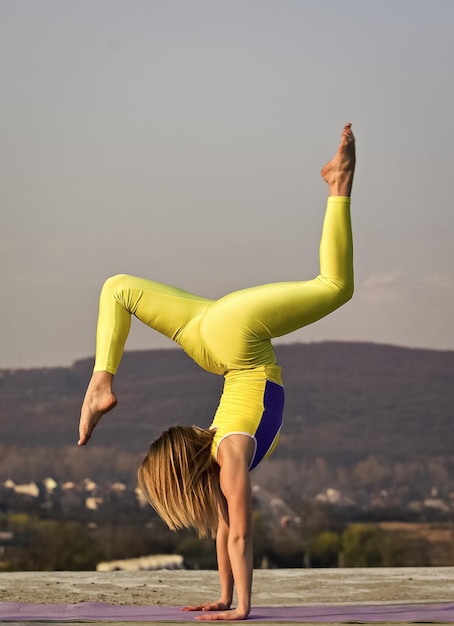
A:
[180,479]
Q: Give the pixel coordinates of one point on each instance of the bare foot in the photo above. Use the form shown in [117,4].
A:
[99,399]
[338,172]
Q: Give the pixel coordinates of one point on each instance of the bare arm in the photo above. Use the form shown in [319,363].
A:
[225,573]
[224,566]
[234,455]
[236,486]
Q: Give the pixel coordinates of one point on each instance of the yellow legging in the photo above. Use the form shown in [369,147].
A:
[234,332]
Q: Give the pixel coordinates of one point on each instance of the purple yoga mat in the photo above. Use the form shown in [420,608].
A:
[102,612]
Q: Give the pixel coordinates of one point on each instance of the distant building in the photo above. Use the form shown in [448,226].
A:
[153,562]
[27,489]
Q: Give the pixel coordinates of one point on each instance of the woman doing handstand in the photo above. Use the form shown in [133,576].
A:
[199,477]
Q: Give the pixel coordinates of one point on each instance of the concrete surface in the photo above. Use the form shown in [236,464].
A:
[288,587]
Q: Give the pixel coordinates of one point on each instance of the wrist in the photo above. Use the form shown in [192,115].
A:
[243,612]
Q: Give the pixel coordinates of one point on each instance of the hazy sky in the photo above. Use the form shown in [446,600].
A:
[181,140]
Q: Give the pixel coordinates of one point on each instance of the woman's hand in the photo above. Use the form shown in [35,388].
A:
[231,615]
[219,605]
[227,614]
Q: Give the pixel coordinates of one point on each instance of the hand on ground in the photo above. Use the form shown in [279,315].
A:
[231,615]
[219,605]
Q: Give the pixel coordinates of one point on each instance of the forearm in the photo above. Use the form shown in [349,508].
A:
[224,566]
[241,561]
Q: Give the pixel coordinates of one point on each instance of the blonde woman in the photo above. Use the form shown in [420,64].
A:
[200,477]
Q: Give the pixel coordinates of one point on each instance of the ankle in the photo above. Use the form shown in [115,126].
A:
[341,187]
[102,379]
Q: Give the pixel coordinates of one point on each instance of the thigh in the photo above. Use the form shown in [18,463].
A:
[164,308]
[240,326]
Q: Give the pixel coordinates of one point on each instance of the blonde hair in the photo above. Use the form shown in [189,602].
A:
[180,479]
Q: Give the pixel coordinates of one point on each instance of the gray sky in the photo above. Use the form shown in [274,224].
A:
[181,140]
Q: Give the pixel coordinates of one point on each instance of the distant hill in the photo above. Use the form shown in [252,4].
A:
[344,402]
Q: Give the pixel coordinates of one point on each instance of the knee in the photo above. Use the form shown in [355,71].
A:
[115,283]
[347,291]
[341,292]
